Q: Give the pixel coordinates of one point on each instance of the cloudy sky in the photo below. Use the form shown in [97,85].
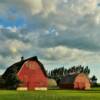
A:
[59,32]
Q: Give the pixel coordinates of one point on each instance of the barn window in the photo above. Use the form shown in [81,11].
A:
[30,64]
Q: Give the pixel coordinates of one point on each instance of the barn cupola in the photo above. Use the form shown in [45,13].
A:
[22,58]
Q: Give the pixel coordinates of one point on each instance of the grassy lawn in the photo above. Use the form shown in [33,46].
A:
[93,94]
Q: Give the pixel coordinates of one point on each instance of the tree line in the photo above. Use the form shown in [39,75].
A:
[59,73]
[62,71]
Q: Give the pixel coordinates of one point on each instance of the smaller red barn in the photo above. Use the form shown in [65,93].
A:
[82,82]
[75,81]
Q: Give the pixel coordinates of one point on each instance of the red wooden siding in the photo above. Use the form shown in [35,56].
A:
[82,82]
[32,75]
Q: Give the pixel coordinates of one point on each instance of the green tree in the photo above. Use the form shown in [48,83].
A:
[12,81]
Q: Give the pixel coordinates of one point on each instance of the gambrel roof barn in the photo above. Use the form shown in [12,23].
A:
[30,72]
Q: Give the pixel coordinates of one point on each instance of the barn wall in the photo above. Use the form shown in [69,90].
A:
[82,82]
[32,75]
[66,86]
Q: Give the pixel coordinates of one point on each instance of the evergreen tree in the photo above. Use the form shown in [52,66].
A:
[59,73]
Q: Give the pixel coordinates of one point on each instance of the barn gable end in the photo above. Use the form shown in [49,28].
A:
[82,82]
[32,76]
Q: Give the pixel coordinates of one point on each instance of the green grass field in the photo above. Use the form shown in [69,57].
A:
[93,94]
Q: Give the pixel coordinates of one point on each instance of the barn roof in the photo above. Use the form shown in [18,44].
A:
[68,79]
[17,66]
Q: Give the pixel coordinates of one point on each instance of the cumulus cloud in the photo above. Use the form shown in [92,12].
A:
[12,29]
[66,55]
[47,28]
[30,7]
[17,46]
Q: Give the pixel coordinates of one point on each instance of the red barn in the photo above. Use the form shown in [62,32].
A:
[82,82]
[30,72]
[75,81]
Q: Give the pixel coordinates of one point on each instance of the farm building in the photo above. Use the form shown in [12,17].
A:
[75,81]
[52,84]
[30,72]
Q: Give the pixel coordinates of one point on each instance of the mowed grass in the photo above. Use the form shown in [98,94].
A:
[93,94]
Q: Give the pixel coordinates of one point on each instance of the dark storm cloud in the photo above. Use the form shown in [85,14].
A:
[20,35]
[71,40]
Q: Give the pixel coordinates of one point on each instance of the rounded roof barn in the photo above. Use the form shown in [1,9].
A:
[75,81]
